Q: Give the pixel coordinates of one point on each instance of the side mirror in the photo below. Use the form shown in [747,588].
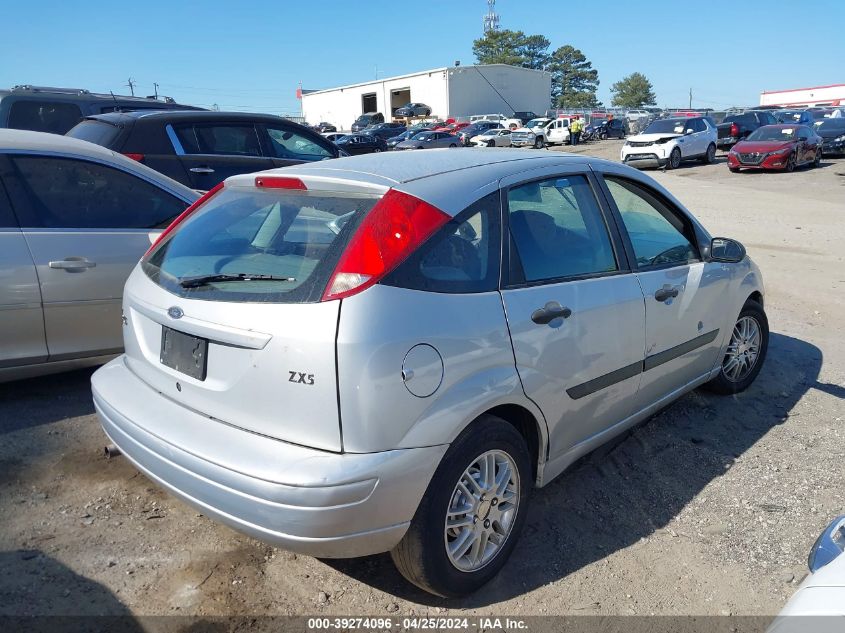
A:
[723,249]
[688,131]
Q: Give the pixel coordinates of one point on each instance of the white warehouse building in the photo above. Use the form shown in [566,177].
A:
[450,92]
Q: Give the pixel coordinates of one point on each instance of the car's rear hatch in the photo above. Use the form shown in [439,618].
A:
[225,317]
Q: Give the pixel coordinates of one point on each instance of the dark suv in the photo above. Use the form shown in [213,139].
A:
[201,149]
[56,110]
[366,120]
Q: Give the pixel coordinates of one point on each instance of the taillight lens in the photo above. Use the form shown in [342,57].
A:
[396,226]
[196,205]
[734,129]
[138,157]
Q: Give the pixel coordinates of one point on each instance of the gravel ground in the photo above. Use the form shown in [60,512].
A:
[709,508]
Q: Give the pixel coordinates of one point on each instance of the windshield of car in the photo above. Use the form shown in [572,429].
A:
[667,126]
[258,246]
[832,125]
[772,133]
[788,115]
[536,122]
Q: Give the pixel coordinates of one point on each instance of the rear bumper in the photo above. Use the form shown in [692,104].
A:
[727,142]
[309,501]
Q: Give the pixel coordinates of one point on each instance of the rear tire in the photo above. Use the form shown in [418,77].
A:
[430,554]
[376,150]
[746,351]
[452,145]
[710,155]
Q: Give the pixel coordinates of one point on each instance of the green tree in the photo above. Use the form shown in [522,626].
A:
[574,80]
[512,47]
[633,91]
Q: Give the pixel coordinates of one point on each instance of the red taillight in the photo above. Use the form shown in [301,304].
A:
[392,230]
[280,182]
[138,157]
[734,129]
[201,201]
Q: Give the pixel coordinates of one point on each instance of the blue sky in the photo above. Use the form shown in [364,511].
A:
[252,55]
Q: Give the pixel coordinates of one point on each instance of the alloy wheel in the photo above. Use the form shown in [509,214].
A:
[482,511]
[743,350]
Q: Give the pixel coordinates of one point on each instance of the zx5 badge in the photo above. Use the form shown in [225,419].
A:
[301,378]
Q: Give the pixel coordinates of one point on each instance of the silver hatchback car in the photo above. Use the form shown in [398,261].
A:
[387,353]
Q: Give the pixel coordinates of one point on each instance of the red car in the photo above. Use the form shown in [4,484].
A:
[454,128]
[777,147]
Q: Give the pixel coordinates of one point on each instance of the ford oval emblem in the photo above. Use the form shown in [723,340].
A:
[175,312]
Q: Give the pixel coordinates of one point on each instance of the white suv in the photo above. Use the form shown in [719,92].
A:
[667,142]
[387,352]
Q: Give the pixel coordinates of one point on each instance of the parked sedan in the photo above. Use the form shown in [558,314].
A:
[334,136]
[832,132]
[429,140]
[335,358]
[404,136]
[413,109]
[781,147]
[492,138]
[354,144]
[323,127]
[386,130]
[474,129]
[201,149]
[77,219]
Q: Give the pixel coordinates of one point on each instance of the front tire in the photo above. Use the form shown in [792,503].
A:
[674,159]
[539,143]
[817,160]
[470,517]
[790,162]
[746,351]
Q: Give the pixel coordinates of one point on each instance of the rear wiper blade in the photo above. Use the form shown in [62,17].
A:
[202,280]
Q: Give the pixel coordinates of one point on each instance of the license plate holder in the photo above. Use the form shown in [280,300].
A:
[185,353]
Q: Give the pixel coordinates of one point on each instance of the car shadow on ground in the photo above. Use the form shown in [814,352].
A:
[634,487]
[44,400]
[41,594]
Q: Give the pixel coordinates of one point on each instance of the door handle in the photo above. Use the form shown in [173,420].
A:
[666,292]
[202,170]
[549,312]
[73,264]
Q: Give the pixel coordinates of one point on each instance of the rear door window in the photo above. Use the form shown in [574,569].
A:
[69,193]
[291,145]
[44,116]
[224,139]
[558,230]
[295,236]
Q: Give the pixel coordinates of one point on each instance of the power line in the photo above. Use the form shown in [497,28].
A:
[494,88]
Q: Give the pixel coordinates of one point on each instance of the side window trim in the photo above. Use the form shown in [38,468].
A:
[177,144]
[8,217]
[512,276]
[626,239]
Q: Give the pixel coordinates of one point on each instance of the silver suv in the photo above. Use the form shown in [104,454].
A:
[387,352]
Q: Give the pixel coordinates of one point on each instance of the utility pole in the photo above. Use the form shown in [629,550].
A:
[155,89]
[131,83]
[690,98]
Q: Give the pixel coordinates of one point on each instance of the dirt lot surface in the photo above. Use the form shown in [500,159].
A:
[708,508]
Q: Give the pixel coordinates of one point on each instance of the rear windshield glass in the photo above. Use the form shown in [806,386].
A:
[832,125]
[292,239]
[95,132]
